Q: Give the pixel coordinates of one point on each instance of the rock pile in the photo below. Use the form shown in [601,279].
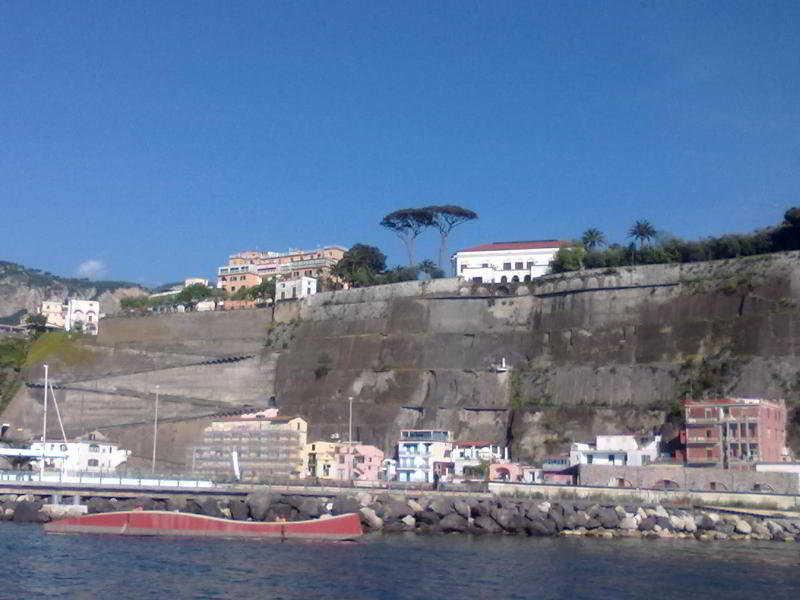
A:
[435,513]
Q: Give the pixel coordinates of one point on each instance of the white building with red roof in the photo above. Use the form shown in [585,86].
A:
[504,262]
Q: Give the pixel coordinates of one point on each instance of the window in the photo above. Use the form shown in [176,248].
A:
[94,448]
[93,462]
[530,264]
[589,459]
[518,266]
[477,279]
[751,429]
[463,267]
[507,266]
[485,265]
[63,447]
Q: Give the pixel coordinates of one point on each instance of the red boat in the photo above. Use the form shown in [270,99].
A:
[161,522]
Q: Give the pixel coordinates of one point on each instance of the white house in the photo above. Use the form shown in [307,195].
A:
[90,454]
[421,453]
[84,314]
[503,262]
[616,450]
[291,289]
[467,457]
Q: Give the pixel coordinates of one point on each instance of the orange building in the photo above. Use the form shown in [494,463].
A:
[735,433]
[236,281]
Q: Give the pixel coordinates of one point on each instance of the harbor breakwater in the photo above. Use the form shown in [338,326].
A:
[477,514]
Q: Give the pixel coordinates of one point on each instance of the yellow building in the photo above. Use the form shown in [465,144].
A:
[320,458]
[266,447]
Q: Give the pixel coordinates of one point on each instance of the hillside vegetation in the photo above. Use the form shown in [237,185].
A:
[22,290]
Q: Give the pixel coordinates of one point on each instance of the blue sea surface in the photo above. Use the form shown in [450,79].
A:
[408,567]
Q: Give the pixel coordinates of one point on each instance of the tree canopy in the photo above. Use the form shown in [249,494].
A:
[642,231]
[445,218]
[360,265]
[593,238]
[407,224]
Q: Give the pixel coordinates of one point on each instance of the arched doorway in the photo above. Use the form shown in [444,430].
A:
[666,484]
[504,279]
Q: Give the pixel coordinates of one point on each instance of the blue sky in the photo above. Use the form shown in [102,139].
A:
[156,138]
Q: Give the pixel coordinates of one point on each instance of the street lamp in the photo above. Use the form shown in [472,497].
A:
[155,433]
[350,438]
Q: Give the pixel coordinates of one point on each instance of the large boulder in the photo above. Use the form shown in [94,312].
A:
[345,504]
[439,505]
[510,520]
[370,518]
[608,518]
[541,527]
[259,503]
[310,508]
[454,522]
[239,510]
[394,508]
[743,527]
[581,519]
[427,517]
[193,507]
[29,512]
[211,508]
[463,508]
[99,505]
[486,524]
[628,524]
[556,515]
[647,524]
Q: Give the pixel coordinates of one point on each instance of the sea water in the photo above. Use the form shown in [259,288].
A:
[403,566]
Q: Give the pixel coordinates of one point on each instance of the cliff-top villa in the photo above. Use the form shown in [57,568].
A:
[504,262]
[75,314]
[247,269]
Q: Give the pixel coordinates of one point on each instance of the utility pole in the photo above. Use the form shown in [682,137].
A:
[44,426]
[155,433]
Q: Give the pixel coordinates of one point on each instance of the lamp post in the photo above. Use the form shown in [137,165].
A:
[155,433]
[350,438]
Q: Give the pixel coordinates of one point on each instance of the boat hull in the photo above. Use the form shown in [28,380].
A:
[165,523]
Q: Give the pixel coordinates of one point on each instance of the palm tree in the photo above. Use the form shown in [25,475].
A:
[642,231]
[593,238]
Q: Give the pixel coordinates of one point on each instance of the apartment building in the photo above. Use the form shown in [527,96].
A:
[735,433]
[261,445]
[242,266]
[421,453]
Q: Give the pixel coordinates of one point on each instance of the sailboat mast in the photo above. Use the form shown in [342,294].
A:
[44,425]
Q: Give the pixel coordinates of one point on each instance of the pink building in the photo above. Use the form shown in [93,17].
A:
[356,462]
[514,473]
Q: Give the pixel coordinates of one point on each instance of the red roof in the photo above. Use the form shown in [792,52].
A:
[531,245]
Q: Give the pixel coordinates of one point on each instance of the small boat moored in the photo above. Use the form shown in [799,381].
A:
[166,523]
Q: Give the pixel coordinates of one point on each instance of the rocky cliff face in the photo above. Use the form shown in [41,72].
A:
[591,352]
[22,291]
